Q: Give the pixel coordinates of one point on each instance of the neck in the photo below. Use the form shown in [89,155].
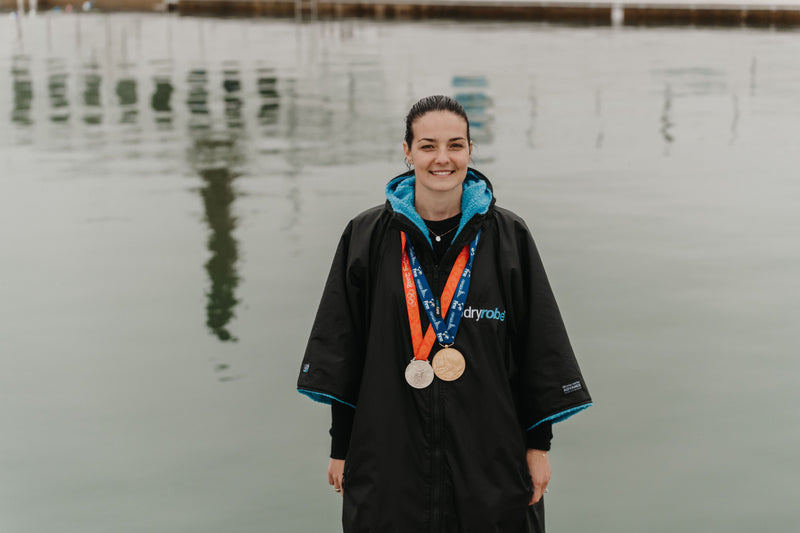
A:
[437,206]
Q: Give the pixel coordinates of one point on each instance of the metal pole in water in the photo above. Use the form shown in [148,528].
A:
[617,15]
[17,16]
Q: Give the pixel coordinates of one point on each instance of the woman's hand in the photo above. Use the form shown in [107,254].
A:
[336,474]
[539,467]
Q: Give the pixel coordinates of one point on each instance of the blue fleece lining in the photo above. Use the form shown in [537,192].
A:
[563,415]
[475,200]
[400,193]
[321,397]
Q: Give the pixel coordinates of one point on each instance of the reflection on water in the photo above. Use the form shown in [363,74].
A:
[269,101]
[344,100]
[162,94]
[23,90]
[57,89]
[598,111]
[666,121]
[218,196]
[735,120]
[92,80]
[289,111]
[214,156]
[197,100]
[471,92]
[696,81]
[530,131]
[232,86]
[126,92]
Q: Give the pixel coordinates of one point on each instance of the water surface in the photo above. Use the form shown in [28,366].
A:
[173,190]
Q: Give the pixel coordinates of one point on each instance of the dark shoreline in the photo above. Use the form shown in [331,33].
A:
[597,13]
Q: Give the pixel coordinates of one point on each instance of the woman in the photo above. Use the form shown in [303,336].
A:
[441,349]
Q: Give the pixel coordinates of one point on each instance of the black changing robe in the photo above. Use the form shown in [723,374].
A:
[451,457]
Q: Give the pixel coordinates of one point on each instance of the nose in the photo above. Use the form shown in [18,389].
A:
[442,156]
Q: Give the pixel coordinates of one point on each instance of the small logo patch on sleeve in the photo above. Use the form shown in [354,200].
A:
[306,367]
[571,387]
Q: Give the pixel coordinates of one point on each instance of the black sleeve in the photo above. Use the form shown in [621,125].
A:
[331,369]
[342,418]
[551,387]
[539,438]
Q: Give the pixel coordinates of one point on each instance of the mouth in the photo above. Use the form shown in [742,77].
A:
[442,173]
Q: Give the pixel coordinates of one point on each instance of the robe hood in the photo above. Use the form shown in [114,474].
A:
[476,198]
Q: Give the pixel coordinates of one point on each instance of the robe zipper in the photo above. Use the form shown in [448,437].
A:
[436,434]
[438,481]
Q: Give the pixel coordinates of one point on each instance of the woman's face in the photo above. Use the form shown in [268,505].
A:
[439,151]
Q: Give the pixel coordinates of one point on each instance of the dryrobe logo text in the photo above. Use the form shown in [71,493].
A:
[488,314]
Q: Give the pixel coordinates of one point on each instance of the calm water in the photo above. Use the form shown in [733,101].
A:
[173,189]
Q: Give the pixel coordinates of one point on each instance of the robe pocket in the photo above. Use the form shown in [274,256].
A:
[525,479]
[346,472]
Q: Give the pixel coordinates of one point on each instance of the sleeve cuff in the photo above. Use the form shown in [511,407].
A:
[342,418]
[539,437]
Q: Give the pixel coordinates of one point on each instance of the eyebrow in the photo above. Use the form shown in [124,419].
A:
[425,139]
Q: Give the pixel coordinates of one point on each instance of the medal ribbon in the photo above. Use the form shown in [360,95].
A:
[453,297]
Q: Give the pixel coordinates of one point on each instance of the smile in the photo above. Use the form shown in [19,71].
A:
[442,172]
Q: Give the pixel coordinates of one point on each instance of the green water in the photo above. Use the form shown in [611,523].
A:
[173,189]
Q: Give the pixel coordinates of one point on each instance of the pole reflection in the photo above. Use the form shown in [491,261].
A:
[666,119]
[22,84]
[471,92]
[218,196]
[57,89]
[93,112]
[735,120]
[126,93]
[214,155]
[160,101]
[197,100]
[269,105]
[530,132]
[232,87]
[598,111]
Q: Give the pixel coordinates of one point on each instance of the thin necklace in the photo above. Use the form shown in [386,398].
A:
[439,237]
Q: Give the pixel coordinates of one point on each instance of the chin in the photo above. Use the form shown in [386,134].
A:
[443,185]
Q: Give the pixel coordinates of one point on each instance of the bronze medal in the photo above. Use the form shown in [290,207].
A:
[449,364]
[419,374]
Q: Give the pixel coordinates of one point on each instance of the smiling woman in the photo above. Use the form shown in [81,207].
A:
[454,437]
[440,153]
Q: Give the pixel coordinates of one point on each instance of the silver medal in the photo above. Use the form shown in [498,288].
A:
[419,374]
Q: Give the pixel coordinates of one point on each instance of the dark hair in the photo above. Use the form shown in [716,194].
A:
[433,103]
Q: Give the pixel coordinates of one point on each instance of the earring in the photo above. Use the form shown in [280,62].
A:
[409,164]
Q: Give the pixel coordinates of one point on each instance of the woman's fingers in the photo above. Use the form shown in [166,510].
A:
[538,490]
[336,474]
[539,466]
